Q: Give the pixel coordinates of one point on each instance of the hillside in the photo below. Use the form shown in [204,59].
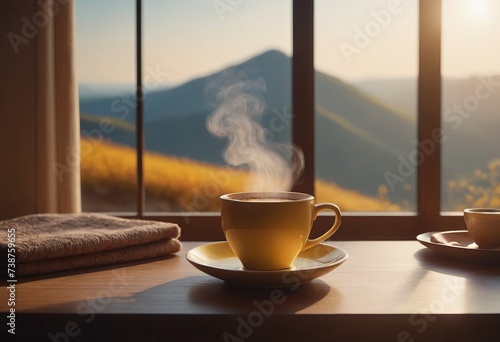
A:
[179,184]
[467,131]
[362,130]
[354,143]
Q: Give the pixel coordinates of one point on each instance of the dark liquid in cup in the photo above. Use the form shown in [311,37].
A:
[267,199]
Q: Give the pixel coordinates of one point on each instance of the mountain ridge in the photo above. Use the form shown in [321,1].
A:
[358,136]
[175,122]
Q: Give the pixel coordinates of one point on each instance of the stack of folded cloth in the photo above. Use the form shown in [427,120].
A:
[57,242]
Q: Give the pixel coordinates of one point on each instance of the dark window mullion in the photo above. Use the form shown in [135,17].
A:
[139,112]
[429,113]
[303,89]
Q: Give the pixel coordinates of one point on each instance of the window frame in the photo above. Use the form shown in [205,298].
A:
[355,226]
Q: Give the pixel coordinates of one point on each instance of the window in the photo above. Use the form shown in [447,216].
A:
[202,49]
[106,64]
[417,207]
[471,84]
[366,61]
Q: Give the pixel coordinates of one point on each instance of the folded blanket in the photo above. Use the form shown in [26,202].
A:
[56,242]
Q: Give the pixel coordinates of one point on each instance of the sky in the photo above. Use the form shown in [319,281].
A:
[354,40]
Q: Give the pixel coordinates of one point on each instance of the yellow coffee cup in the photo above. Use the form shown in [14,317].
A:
[268,230]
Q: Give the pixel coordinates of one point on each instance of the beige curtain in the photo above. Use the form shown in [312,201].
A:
[39,111]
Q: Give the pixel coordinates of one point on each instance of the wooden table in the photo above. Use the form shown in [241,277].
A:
[385,291]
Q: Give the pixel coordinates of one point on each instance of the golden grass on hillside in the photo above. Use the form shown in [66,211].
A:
[480,190]
[179,184]
[349,200]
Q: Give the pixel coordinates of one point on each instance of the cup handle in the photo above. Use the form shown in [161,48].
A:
[338,218]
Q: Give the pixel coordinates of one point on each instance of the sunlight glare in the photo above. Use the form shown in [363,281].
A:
[478,9]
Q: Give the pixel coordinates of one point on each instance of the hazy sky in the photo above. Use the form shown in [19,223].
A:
[353,39]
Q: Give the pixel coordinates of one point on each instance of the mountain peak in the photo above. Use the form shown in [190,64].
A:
[272,54]
[267,58]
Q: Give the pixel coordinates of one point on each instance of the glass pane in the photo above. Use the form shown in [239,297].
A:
[366,79]
[200,57]
[105,36]
[471,104]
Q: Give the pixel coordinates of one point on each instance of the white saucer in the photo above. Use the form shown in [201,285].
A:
[218,260]
[458,244]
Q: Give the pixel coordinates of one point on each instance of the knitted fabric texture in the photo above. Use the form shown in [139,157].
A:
[56,242]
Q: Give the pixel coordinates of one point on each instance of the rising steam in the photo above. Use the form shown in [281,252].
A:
[239,108]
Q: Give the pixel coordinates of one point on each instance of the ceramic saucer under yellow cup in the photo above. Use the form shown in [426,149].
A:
[218,260]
